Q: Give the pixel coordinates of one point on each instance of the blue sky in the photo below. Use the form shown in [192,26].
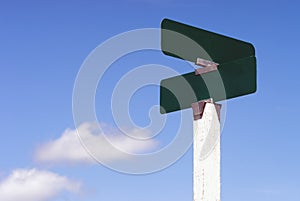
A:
[43,45]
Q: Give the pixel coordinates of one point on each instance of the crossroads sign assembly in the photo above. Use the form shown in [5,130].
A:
[228,70]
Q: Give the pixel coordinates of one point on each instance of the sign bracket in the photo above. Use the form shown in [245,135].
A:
[208,66]
[199,107]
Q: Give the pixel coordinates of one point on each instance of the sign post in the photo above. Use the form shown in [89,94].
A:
[228,71]
[206,170]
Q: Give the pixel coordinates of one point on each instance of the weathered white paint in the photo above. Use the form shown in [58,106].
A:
[207,156]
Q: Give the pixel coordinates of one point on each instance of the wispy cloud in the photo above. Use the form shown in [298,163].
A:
[35,185]
[109,145]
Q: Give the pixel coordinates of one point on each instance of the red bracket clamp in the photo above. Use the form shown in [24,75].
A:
[208,66]
[198,108]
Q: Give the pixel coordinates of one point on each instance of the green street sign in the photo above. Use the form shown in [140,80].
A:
[232,79]
[234,76]
[189,43]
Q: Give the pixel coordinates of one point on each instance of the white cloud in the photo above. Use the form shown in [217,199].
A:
[107,144]
[35,185]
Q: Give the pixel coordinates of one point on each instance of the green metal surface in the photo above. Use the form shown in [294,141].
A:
[236,74]
[189,43]
[231,80]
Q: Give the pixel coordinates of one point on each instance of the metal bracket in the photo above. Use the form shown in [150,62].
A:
[198,108]
[208,66]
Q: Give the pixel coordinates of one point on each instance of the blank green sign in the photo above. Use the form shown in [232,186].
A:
[189,43]
[236,74]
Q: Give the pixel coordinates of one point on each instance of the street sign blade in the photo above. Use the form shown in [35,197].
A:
[232,79]
[189,43]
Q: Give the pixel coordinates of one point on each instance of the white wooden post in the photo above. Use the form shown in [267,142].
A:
[206,124]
